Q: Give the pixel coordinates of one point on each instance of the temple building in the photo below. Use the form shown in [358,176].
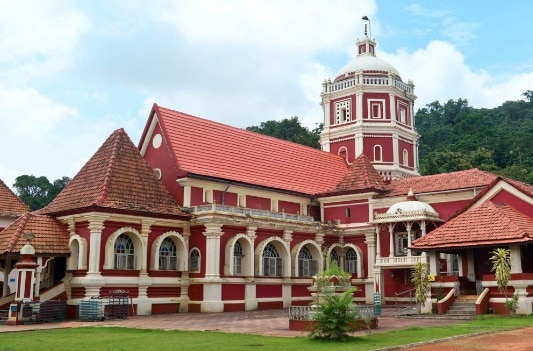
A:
[205,217]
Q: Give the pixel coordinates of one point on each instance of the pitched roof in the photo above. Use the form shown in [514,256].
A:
[361,176]
[469,178]
[488,224]
[10,204]
[51,237]
[207,148]
[116,178]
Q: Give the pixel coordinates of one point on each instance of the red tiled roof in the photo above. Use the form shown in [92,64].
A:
[207,148]
[440,182]
[361,176]
[10,204]
[488,224]
[116,178]
[51,237]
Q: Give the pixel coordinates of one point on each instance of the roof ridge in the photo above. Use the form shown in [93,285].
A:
[15,238]
[244,130]
[112,161]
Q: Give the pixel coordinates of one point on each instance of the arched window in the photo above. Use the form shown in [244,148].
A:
[237,258]
[194,261]
[405,158]
[335,258]
[124,253]
[271,261]
[306,264]
[343,152]
[168,260]
[378,153]
[351,261]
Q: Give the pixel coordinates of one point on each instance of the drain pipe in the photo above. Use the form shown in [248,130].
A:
[224,193]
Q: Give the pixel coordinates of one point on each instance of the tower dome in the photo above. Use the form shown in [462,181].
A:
[366,64]
[369,110]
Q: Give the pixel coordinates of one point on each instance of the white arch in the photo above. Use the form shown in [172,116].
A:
[378,153]
[359,253]
[283,250]
[344,150]
[138,244]
[199,260]
[181,250]
[78,253]
[342,248]
[316,252]
[248,253]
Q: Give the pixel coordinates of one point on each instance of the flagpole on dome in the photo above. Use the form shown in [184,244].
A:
[365,18]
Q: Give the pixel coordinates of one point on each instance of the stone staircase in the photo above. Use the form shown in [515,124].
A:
[464,307]
[3,316]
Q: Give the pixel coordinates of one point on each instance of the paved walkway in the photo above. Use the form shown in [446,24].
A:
[266,322]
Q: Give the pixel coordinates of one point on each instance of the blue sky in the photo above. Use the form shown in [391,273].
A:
[71,72]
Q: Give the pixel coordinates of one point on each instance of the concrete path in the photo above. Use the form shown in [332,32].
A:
[265,322]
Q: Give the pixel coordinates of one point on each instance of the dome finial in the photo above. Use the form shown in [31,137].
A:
[365,18]
[411,195]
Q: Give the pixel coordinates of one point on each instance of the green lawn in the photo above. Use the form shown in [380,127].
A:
[122,339]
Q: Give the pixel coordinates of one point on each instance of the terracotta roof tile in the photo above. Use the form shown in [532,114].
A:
[212,149]
[51,237]
[361,176]
[10,204]
[116,178]
[440,182]
[488,224]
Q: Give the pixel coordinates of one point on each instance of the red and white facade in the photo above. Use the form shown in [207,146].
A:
[205,217]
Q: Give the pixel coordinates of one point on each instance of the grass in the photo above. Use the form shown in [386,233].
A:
[125,339]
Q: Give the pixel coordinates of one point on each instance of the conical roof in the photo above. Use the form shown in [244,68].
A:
[51,236]
[116,178]
[10,204]
[361,177]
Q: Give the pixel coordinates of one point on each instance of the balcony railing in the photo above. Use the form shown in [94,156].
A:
[400,260]
[250,212]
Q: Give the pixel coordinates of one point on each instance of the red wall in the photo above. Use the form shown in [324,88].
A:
[197,196]
[386,148]
[264,291]
[385,112]
[261,203]
[162,159]
[230,199]
[232,292]
[289,207]
[403,145]
[511,200]
[335,146]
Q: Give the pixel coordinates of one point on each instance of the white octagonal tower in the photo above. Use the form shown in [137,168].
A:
[369,109]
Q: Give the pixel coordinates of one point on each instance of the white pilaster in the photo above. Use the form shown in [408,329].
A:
[213,232]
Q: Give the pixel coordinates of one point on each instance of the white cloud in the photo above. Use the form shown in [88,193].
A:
[440,73]
[37,39]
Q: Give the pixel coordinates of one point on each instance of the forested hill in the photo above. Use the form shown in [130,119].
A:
[456,136]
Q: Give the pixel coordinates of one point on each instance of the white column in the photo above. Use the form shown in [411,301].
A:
[359,106]
[516,258]
[370,241]
[408,225]
[434,263]
[96,225]
[391,240]
[186,196]
[392,106]
[395,150]
[213,232]
[378,242]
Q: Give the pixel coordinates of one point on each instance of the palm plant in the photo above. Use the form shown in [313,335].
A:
[501,267]
[336,316]
[419,278]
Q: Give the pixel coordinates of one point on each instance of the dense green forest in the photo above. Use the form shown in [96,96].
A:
[454,136]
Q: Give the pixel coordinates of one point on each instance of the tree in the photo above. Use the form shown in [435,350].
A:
[290,129]
[501,267]
[419,278]
[37,192]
